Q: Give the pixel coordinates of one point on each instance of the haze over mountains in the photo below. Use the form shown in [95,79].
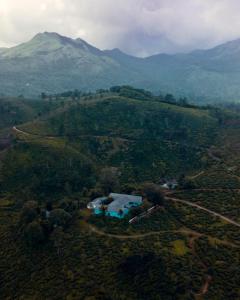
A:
[52,63]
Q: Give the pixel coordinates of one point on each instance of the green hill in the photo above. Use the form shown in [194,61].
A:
[145,140]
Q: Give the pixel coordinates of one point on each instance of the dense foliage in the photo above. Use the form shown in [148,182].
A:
[73,147]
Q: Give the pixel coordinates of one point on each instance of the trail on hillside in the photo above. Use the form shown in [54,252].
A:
[141,235]
[228,220]
[197,175]
[19,131]
[207,280]
[185,231]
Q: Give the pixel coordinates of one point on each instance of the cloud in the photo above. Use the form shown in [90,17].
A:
[139,27]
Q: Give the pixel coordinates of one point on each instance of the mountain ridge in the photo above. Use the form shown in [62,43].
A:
[55,35]
[53,63]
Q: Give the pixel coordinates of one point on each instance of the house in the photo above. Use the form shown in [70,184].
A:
[115,205]
[170,185]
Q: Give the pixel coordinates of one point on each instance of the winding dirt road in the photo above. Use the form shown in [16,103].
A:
[143,235]
[226,219]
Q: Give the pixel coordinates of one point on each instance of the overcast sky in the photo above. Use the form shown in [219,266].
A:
[139,27]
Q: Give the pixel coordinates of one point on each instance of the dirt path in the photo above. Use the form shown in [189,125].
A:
[213,156]
[207,280]
[194,235]
[204,288]
[204,190]
[36,136]
[15,129]
[226,219]
[141,235]
[19,131]
[197,175]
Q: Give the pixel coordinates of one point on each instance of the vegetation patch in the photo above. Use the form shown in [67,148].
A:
[179,248]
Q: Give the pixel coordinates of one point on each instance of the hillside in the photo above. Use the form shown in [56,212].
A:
[52,63]
[141,136]
[67,150]
[18,110]
[143,139]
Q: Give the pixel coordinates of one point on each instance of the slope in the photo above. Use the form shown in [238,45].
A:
[143,139]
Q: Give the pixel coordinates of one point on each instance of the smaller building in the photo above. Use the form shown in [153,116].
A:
[170,185]
[115,205]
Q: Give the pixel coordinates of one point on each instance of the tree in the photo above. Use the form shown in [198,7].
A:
[33,233]
[115,89]
[186,183]
[109,179]
[67,186]
[147,274]
[170,98]
[183,101]
[43,96]
[61,129]
[58,239]
[68,205]
[96,193]
[29,212]
[49,206]
[153,193]
[59,217]
[181,179]
[128,188]
[136,211]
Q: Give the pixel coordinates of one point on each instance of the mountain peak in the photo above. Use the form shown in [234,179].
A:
[49,42]
[48,34]
[49,37]
[53,37]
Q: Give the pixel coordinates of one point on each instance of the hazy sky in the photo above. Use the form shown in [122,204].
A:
[140,27]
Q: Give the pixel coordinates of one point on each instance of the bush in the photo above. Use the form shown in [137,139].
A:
[153,193]
[29,212]
[68,205]
[96,193]
[33,234]
[59,217]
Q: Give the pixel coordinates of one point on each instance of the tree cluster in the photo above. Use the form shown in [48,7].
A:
[38,224]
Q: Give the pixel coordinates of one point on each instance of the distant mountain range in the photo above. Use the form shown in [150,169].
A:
[52,63]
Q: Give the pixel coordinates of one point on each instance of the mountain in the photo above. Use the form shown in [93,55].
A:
[52,63]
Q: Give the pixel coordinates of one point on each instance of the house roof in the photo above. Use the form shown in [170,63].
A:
[122,201]
[97,203]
